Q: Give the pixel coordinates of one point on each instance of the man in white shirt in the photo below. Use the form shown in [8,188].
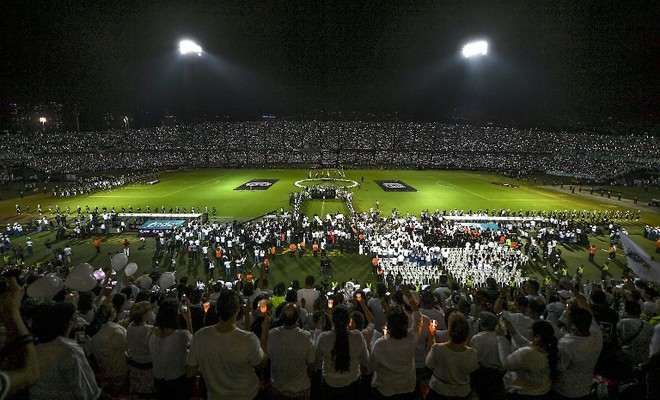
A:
[487,380]
[292,356]
[578,351]
[226,355]
[308,293]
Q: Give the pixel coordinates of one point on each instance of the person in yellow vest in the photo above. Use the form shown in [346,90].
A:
[580,270]
[604,271]
[564,271]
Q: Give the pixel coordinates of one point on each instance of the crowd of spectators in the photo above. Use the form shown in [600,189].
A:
[396,144]
[239,339]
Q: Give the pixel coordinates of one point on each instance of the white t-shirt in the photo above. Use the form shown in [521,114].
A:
[64,372]
[136,339]
[528,371]
[310,296]
[485,343]
[393,363]
[108,347]
[577,359]
[227,361]
[290,351]
[451,370]
[358,354]
[169,354]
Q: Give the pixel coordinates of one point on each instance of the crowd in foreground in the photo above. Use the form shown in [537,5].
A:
[242,340]
[586,155]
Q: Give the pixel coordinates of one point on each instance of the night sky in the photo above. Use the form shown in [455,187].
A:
[579,60]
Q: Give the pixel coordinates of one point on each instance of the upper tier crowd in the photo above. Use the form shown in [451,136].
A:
[393,144]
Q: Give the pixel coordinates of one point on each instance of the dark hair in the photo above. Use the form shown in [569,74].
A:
[427,299]
[248,289]
[459,327]
[291,296]
[52,320]
[167,316]
[381,289]
[289,314]
[228,304]
[535,307]
[598,297]
[341,355]
[279,289]
[85,302]
[309,280]
[358,319]
[632,308]
[128,292]
[548,342]
[397,323]
[195,296]
[580,318]
[118,301]
[535,285]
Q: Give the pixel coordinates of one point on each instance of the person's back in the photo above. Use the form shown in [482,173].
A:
[64,372]
[225,355]
[292,353]
[578,353]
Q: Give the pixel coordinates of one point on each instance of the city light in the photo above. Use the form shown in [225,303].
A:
[475,49]
[189,47]
[43,121]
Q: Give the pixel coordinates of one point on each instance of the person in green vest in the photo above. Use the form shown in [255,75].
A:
[604,271]
[547,280]
[580,270]
[564,271]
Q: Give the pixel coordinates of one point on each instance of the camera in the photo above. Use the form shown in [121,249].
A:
[20,279]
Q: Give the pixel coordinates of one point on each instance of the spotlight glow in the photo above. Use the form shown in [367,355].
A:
[189,47]
[475,49]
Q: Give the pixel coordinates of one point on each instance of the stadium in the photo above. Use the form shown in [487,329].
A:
[324,254]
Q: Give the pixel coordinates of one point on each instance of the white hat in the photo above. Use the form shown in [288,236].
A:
[565,294]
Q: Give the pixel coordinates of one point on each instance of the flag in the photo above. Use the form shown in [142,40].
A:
[641,263]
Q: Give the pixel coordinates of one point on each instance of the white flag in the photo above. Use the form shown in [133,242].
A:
[640,262]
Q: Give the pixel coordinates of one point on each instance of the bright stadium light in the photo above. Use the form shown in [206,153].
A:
[189,47]
[475,49]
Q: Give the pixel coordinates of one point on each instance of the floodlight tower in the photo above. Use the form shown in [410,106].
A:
[475,49]
[475,53]
[43,122]
[190,51]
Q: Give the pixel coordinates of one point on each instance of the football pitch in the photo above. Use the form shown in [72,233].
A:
[243,195]
[460,190]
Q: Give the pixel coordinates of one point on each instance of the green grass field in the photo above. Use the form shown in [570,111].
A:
[435,190]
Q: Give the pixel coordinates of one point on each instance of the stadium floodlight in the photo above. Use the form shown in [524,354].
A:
[475,49]
[43,122]
[189,47]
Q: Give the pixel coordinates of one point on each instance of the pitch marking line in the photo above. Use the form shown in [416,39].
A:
[190,187]
[465,190]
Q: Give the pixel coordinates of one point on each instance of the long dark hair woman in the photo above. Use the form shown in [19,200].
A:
[168,346]
[530,369]
[344,356]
